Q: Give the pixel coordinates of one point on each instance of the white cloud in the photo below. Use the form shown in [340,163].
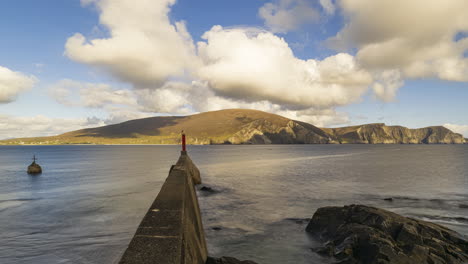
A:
[231,68]
[416,37]
[143,48]
[119,115]
[95,95]
[12,83]
[41,125]
[173,97]
[287,15]
[200,98]
[256,66]
[387,84]
[328,6]
[461,129]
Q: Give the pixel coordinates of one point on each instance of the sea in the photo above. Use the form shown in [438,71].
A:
[86,205]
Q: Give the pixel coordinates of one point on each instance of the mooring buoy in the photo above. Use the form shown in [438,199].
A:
[34,168]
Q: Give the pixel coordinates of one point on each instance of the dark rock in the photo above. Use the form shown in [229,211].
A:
[298,220]
[227,260]
[361,234]
[206,190]
[463,206]
[216,228]
[34,168]
[390,199]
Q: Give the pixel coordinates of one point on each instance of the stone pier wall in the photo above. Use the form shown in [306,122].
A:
[171,231]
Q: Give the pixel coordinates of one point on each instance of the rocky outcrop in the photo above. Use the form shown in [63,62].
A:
[367,235]
[227,260]
[382,134]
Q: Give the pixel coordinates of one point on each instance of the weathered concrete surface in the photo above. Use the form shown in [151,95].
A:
[359,234]
[185,163]
[171,231]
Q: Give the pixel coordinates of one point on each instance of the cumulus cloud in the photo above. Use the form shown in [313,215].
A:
[461,129]
[200,98]
[119,115]
[328,6]
[95,95]
[172,97]
[41,125]
[240,64]
[143,48]
[12,83]
[230,68]
[387,84]
[417,37]
[286,15]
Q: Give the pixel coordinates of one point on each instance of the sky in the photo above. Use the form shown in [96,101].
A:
[67,65]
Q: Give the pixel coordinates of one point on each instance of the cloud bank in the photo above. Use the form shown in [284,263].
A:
[12,83]
[41,125]
[253,68]
[234,67]
[420,38]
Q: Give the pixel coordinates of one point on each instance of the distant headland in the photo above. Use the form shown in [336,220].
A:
[242,126]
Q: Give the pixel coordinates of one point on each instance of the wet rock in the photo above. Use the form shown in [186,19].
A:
[361,234]
[227,260]
[298,220]
[34,169]
[206,190]
[390,199]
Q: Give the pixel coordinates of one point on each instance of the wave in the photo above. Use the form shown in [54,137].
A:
[19,200]
[454,220]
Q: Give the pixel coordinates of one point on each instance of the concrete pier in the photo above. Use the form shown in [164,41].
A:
[171,232]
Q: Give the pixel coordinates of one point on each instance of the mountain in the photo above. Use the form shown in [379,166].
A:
[241,126]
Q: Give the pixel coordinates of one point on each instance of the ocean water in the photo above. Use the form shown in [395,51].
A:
[87,204]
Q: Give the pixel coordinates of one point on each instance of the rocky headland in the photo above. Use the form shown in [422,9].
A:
[359,234]
[381,134]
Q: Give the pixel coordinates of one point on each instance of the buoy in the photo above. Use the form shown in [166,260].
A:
[34,168]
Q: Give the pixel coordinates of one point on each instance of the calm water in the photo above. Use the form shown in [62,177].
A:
[87,204]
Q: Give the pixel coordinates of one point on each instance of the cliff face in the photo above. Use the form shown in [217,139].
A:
[382,134]
[265,132]
[241,126]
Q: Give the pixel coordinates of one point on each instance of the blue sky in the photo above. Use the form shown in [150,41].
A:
[315,60]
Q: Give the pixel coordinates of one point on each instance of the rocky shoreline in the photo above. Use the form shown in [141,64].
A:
[359,234]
